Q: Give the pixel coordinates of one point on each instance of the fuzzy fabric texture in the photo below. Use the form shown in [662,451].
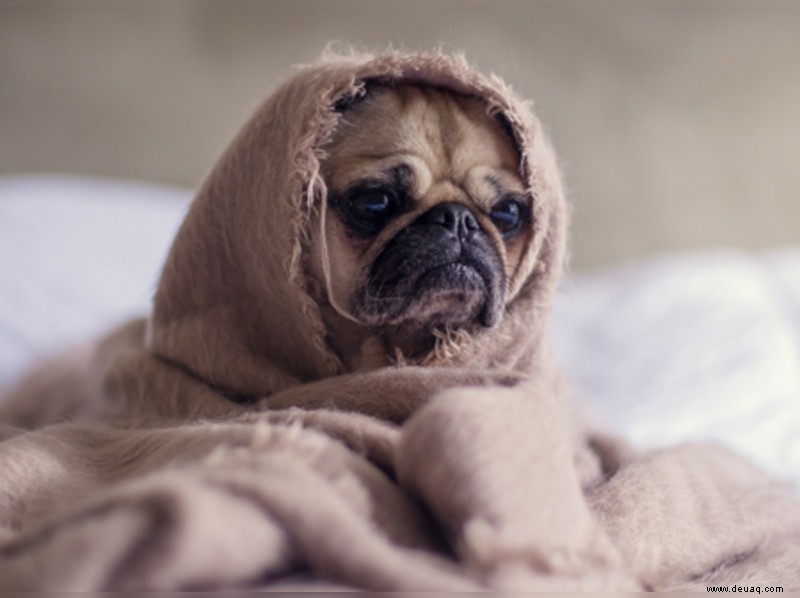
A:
[223,444]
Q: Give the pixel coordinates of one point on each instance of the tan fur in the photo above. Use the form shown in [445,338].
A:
[452,145]
[235,446]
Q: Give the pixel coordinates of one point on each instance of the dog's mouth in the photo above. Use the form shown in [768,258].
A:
[457,293]
[459,275]
[433,284]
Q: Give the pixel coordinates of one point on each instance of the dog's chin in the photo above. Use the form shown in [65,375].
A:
[453,294]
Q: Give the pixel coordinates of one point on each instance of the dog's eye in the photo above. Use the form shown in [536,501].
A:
[508,216]
[371,209]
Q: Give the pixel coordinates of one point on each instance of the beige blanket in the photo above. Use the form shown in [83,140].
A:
[223,444]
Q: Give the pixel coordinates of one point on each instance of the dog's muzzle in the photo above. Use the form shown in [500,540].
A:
[441,269]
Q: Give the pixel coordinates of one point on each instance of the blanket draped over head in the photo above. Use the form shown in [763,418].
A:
[223,444]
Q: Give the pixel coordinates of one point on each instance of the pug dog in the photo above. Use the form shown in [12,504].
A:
[426,222]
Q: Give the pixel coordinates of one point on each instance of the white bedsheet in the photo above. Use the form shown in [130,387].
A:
[686,346]
[699,346]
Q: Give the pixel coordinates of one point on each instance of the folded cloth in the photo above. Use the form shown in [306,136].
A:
[222,443]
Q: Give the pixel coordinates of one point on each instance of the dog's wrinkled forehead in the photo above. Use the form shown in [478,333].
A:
[442,138]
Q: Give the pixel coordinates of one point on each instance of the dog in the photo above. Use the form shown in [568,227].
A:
[427,220]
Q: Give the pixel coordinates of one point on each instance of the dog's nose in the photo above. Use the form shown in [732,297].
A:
[455,217]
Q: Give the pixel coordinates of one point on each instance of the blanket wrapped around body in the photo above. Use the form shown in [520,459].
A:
[222,442]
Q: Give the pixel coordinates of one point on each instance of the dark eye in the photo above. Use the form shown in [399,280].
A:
[508,216]
[371,209]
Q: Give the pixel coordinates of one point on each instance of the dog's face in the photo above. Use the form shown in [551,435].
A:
[427,214]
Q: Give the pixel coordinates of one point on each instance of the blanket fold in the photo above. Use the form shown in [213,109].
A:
[517,509]
[222,443]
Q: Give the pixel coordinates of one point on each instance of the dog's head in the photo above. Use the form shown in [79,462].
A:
[343,230]
[427,216]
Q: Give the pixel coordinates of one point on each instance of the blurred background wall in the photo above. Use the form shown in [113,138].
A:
[678,123]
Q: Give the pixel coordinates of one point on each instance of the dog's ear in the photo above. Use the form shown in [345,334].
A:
[355,97]
[505,126]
